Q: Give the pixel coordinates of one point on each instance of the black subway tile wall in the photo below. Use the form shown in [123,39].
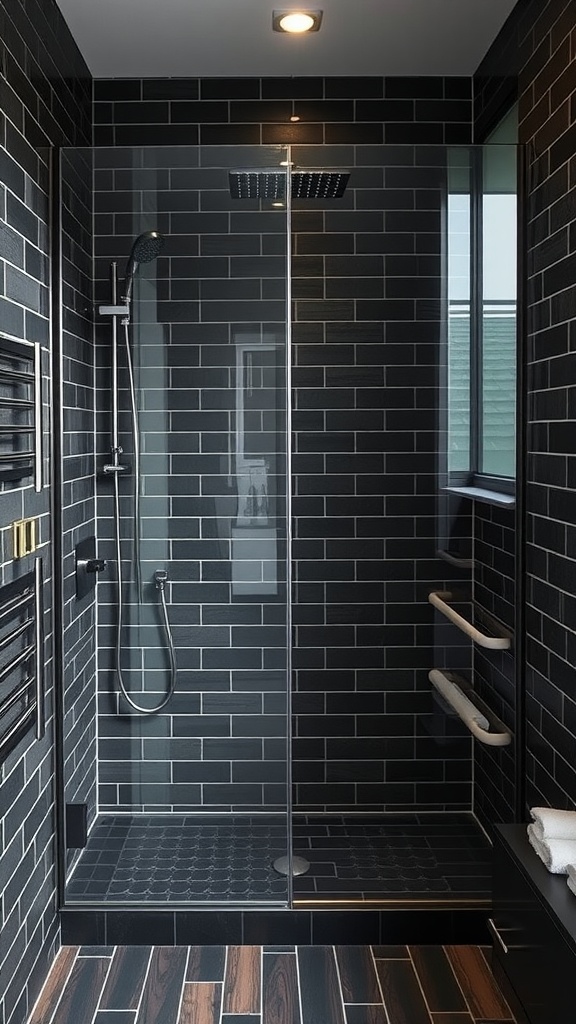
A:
[537,42]
[366,727]
[45,100]
[494,671]
[208,335]
[366,335]
[337,111]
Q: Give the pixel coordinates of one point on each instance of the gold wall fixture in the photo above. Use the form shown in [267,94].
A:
[24,537]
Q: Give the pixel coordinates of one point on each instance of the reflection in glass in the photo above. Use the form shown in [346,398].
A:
[459,332]
[254,536]
[499,213]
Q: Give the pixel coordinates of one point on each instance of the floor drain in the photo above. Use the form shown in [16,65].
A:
[294,865]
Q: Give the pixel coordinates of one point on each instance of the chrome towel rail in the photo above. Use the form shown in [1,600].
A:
[7,640]
[21,659]
[16,456]
[21,401]
[16,376]
[38,474]
[16,403]
[9,607]
[440,599]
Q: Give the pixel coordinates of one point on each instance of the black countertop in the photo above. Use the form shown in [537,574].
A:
[556,896]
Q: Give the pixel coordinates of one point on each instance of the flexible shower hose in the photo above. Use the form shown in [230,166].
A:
[159,584]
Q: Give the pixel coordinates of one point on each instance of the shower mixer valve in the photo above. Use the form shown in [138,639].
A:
[87,566]
[95,565]
[160,578]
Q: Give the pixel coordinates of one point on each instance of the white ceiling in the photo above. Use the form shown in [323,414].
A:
[234,38]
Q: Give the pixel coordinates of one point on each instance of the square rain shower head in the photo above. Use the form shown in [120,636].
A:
[270,183]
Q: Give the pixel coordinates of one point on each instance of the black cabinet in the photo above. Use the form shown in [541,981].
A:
[533,926]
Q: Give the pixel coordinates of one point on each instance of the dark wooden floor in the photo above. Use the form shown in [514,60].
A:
[271,985]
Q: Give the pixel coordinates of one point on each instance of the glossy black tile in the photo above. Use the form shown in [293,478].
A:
[209,928]
[117,89]
[295,88]
[83,929]
[225,88]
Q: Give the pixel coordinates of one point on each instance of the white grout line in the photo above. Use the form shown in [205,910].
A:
[147,972]
[379,984]
[298,985]
[456,978]
[95,955]
[96,1009]
[66,979]
[223,984]
[261,983]
[338,975]
[181,1000]
[417,976]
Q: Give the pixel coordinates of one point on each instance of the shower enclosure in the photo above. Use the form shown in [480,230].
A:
[268,507]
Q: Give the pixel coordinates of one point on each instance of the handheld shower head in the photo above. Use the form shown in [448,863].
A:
[146,248]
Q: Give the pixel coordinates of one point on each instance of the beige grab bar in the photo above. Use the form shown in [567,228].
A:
[439,599]
[473,718]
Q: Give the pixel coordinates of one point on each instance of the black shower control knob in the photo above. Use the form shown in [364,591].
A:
[95,565]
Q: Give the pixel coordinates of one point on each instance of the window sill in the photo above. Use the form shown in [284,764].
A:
[484,495]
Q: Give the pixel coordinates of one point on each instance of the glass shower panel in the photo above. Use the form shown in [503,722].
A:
[193,789]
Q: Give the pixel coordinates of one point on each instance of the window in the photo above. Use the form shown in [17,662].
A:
[481,333]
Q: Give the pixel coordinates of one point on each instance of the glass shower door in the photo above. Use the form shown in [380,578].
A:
[189,798]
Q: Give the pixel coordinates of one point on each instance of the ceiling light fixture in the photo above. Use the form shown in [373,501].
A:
[296,21]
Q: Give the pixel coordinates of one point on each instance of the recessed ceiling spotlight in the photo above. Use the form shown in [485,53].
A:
[296,21]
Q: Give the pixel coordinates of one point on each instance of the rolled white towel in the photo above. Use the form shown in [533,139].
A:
[556,854]
[550,823]
[571,885]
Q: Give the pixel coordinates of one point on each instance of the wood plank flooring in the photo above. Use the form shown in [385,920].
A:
[271,985]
